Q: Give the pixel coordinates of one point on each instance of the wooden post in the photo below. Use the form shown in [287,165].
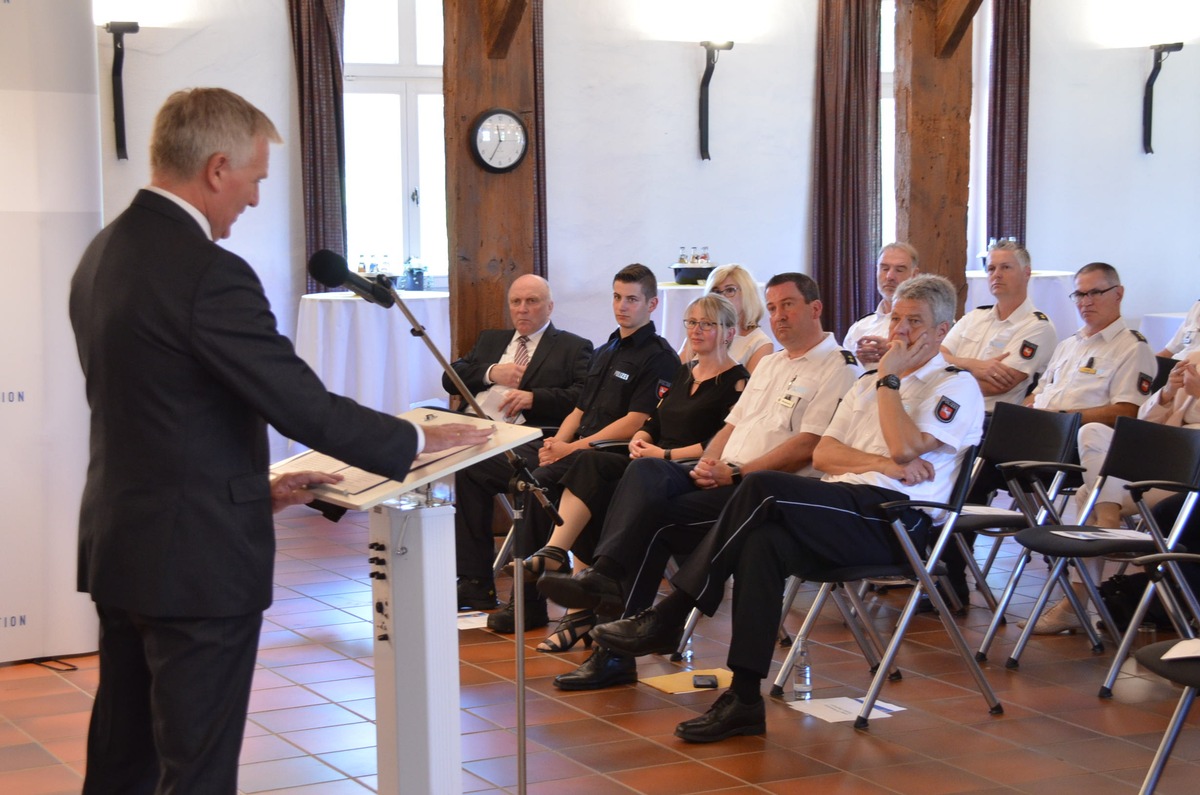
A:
[933,132]
[492,218]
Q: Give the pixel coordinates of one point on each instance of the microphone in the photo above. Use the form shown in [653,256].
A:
[330,269]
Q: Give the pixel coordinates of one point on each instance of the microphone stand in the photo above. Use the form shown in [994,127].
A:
[522,481]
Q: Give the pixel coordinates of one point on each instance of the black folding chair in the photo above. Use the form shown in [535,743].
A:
[1181,671]
[1149,456]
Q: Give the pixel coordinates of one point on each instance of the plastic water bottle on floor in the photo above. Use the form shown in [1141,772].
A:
[802,675]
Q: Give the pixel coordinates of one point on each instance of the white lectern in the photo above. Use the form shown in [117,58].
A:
[414,603]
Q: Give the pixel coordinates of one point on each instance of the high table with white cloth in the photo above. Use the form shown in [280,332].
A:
[368,353]
[1047,289]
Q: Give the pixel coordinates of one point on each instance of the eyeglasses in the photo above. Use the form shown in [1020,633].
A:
[1078,297]
[705,325]
[729,291]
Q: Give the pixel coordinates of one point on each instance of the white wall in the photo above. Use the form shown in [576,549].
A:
[625,180]
[244,46]
[1093,193]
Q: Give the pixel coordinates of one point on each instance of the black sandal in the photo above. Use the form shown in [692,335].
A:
[539,562]
[571,628]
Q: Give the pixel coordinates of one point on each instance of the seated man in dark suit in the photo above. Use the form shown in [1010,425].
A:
[900,433]
[627,377]
[533,374]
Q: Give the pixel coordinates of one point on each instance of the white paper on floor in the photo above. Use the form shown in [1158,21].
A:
[474,620]
[838,710]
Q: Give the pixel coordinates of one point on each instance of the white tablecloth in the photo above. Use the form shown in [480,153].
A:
[1049,291]
[1159,327]
[369,353]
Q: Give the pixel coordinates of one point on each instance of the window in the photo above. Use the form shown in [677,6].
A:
[395,138]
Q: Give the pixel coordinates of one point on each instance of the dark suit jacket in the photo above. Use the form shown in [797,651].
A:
[184,368]
[555,374]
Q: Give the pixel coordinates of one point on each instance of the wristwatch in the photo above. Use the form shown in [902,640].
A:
[735,472]
[666,455]
[889,381]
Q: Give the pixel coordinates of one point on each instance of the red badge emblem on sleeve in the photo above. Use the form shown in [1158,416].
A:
[1144,382]
[1028,349]
[946,409]
[663,388]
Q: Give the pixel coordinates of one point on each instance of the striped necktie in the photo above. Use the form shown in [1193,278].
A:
[522,354]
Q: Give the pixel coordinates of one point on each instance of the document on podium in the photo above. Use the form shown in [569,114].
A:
[360,489]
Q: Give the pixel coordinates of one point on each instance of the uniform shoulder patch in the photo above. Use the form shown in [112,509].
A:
[1028,349]
[868,373]
[1040,315]
[663,388]
[1144,383]
[849,357]
[1140,336]
[946,409]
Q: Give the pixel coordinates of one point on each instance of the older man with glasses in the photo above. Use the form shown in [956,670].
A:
[1103,371]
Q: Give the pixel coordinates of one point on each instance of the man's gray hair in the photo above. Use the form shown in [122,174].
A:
[900,245]
[935,291]
[1019,252]
[1110,273]
[195,124]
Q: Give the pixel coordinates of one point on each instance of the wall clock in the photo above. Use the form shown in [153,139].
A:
[499,140]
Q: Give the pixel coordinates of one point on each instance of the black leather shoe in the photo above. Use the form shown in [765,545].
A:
[602,669]
[727,717]
[504,621]
[476,594]
[643,634]
[586,590]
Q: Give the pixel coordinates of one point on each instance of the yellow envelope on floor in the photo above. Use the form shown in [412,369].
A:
[682,681]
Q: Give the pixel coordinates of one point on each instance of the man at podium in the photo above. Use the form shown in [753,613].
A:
[184,367]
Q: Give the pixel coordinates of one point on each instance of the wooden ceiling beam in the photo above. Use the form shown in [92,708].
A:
[503,18]
[953,20]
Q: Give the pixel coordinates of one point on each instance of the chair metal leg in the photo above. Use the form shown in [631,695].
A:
[802,634]
[998,617]
[686,637]
[986,569]
[1168,741]
[1056,577]
[925,582]
[505,553]
[976,574]
[789,598]
[863,631]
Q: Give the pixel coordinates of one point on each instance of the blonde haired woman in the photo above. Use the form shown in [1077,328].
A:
[701,395]
[750,343]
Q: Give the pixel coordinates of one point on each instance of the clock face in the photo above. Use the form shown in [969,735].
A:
[499,140]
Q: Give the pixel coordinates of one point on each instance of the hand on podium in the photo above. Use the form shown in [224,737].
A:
[454,434]
[291,488]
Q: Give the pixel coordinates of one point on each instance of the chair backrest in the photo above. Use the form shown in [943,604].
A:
[1165,365]
[1143,450]
[962,484]
[1020,433]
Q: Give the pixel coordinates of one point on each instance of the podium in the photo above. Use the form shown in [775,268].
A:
[414,603]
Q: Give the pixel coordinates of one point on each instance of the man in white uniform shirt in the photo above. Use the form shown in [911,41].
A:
[1007,344]
[1103,371]
[1187,336]
[867,338]
[900,434]
[662,508]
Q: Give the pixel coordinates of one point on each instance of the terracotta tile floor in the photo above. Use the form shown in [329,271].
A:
[311,731]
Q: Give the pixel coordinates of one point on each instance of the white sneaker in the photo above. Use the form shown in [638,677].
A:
[1058,619]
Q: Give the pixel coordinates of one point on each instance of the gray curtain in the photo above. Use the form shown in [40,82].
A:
[317,27]
[847,223]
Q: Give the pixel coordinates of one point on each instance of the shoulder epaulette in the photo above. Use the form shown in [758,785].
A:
[953,369]
[849,357]
[1040,315]
[1140,336]
[985,306]
[868,372]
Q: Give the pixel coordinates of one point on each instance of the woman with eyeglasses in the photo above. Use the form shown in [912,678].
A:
[702,393]
[750,343]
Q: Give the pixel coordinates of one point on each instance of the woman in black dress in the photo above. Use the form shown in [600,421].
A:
[701,395]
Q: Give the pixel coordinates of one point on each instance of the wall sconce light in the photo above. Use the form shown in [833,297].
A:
[118,31]
[711,50]
[1160,55]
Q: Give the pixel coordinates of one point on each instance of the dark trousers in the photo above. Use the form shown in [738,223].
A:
[171,705]
[475,490]
[776,525]
[656,513]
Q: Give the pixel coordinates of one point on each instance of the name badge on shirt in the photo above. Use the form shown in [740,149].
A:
[794,393]
[1089,367]
[622,376]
